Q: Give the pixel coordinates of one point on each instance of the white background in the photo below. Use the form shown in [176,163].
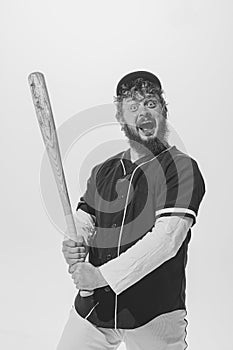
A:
[84,48]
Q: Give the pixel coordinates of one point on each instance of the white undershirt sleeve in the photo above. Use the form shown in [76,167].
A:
[156,247]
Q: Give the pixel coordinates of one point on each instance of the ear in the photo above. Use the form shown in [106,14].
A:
[119,113]
[120,119]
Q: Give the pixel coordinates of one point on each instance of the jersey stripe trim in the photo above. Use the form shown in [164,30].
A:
[175,210]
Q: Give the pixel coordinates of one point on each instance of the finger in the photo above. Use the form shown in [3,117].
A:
[77,250]
[69,243]
[74,261]
[71,262]
[81,249]
[76,256]
[68,251]
[70,255]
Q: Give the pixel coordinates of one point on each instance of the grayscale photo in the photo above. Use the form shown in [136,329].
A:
[117,167]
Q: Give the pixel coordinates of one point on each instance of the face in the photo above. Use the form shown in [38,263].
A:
[143,122]
[143,115]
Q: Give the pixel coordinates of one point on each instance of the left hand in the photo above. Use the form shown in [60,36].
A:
[86,276]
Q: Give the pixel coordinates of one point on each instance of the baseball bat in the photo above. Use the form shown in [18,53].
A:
[45,118]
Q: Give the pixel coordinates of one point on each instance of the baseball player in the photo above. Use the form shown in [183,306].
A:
[135,221]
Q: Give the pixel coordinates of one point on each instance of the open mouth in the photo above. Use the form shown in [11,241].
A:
[147,126]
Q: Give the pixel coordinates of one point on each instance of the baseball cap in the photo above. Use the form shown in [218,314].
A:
[135,75]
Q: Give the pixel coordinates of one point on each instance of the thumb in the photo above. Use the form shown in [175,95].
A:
[69,243]
[80,241]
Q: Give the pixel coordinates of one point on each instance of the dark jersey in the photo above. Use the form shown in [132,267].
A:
[126,199]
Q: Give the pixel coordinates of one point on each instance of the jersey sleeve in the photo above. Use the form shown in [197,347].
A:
[181,190]
[86,202]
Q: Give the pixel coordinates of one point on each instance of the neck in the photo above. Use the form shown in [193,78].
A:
[135,155]
[141,151]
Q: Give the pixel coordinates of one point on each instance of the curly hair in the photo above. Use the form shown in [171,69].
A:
[143,88]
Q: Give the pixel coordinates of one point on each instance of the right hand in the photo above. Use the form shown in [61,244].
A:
[74,252]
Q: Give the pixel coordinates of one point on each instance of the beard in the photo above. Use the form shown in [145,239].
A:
[154,145]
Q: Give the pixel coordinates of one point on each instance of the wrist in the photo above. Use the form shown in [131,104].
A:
[101,279]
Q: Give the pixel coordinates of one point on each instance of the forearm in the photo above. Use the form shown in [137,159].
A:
[156,247]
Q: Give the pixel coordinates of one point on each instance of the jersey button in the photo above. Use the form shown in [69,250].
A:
[107,289]
[109,257]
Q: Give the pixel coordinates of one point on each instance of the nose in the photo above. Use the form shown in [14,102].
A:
[143,110]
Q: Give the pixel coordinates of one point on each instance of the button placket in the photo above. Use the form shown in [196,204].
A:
[108,257]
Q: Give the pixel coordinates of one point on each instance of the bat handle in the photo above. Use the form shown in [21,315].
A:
[73,235]
[85,293]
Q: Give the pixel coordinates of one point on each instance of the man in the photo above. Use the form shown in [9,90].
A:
[135,219]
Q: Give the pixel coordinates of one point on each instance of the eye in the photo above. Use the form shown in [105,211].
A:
[152,103]
[133,107]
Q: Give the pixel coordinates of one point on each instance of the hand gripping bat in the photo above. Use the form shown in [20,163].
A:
[45,118]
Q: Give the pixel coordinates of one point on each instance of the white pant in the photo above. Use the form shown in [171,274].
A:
[165,332]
